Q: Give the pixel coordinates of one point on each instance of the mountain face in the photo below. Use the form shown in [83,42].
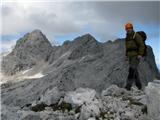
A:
[37,71]
[29,49]
[81,62]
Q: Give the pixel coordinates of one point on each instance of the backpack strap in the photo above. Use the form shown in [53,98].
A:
[134,38]
[134,35]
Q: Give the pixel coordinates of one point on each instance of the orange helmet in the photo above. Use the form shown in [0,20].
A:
[128,26]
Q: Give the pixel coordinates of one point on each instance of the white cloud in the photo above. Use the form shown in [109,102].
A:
[67,17]
[52,19]
[7,45]
[59,18]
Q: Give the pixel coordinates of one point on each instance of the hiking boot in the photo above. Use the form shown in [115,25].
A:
[128,88]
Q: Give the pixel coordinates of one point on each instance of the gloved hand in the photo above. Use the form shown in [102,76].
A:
[139,57]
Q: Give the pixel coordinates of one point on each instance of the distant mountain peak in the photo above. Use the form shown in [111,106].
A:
[35,34]
[37,31]
[85,38]
[88,36]
[32,47]
[28,38]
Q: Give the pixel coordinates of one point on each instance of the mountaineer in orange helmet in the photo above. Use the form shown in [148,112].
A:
[135,50]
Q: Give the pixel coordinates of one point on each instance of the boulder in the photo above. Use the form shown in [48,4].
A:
[51,96]
[87,100]
[153,99]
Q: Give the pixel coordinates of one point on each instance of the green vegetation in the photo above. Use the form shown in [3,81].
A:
[144,109]
[65,106]
[132,101]
[107,115]
[39,107]
[78,109]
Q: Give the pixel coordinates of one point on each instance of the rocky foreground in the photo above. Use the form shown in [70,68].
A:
[113,103]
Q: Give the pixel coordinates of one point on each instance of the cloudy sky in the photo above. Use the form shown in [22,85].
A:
[61,21]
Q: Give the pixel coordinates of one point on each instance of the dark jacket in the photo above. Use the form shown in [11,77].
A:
[134,45]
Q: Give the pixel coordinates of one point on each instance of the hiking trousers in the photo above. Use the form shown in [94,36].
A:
[133,75]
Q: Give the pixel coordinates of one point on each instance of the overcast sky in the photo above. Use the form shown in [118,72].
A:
[61,21]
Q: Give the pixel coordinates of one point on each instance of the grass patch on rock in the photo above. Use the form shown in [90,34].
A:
[39,107]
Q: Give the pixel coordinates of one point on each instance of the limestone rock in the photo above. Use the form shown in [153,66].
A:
[153,99]
[29,49]
[51,96]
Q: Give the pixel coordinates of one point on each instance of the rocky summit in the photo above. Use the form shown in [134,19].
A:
[29,49]
[82,79]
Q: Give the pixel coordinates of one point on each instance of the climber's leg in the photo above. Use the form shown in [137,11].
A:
[137,80]
[130,79]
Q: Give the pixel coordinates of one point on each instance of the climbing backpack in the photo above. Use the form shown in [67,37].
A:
[144,37]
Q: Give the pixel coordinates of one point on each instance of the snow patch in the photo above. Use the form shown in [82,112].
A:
[25,71]
[38,75]
[19,77]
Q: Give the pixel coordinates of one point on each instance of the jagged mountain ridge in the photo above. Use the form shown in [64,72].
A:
[81,59]
[83,62]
